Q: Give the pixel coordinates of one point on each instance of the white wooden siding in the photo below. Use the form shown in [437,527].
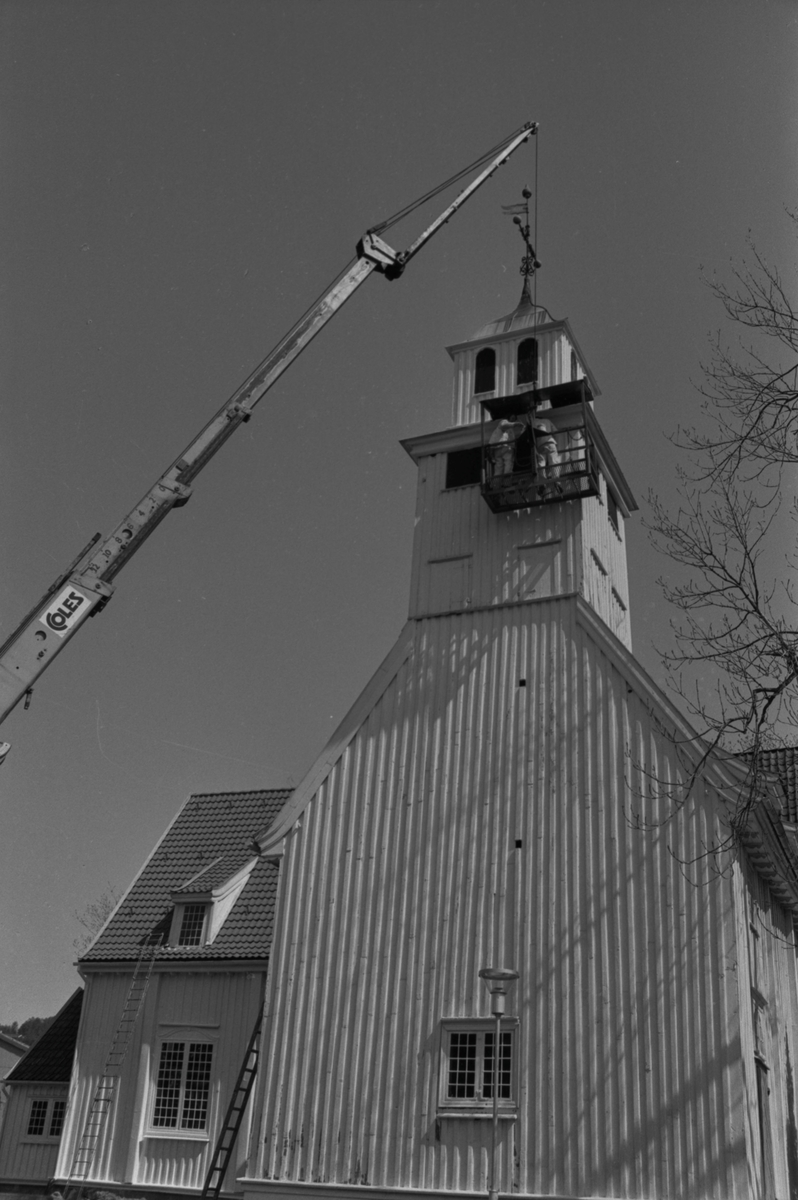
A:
[554,366]
[24,1159]
[403,878]
[457,525]
[219,1006]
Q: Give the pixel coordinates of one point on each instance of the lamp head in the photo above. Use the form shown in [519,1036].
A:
[498,981]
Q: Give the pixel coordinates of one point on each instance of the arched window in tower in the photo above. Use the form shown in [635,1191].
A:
[574,367]
[485,380]
[527,361]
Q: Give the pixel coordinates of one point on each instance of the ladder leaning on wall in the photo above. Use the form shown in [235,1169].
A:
[235,1115]
[106,1089]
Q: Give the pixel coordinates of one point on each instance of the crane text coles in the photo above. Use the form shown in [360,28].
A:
[64,611]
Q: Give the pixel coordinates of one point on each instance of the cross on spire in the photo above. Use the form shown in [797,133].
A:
[530,261]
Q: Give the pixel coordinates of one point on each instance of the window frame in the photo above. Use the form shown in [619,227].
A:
[187,1038]
[46,1137]
[477,1106]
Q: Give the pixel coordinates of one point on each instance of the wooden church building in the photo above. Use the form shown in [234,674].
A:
[510,792]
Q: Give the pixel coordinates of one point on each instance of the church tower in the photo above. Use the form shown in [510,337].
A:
[521,499]
[502,795]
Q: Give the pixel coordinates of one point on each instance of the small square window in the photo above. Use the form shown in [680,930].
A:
[469,1069]
[38,1118]
[192,925]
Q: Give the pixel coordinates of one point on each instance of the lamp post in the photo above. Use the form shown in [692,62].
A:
[498,980]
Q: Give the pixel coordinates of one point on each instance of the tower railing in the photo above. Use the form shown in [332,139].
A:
[537,455]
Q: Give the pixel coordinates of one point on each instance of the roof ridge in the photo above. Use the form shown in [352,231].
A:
[249,792]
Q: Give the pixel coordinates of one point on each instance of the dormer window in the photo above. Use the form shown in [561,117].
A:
[485,378]
[204,901]
[527,371]
[192,925]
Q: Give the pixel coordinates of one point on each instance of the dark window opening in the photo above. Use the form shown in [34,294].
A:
[574,367]
[612,510]
[464,467]
[527,361]
[485,380]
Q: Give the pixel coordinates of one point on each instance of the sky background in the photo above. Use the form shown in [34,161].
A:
[180,179]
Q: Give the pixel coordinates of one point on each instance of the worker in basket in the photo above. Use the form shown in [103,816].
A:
[502,444]
[547,454]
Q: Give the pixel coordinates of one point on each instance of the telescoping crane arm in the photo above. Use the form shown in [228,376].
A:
[86,586]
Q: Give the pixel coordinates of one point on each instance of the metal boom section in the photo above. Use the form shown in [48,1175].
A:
[87,586]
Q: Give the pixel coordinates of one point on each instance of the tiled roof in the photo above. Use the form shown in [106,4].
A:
[50,1060]
[217,872]
[209,828]
[784,763]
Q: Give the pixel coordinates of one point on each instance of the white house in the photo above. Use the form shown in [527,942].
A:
[208,897]
[38,1087]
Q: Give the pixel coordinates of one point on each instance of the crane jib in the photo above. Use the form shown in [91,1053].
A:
[85,589]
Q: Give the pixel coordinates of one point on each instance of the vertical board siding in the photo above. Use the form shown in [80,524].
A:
[23,1158]
[770,1022]
[605,583]
[219,1006]
[512,556]
[403,878]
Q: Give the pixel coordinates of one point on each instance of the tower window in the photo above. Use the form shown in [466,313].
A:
[464,467]
[485,380]
[527,361]
[612,510]
[574,367]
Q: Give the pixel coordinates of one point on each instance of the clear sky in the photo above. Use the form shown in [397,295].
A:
[179,180]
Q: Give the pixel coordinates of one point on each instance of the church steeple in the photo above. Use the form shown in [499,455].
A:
[521,499]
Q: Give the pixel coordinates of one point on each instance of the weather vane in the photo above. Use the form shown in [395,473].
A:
[530,261]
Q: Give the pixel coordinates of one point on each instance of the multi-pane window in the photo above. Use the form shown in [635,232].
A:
[38,1118]
[470,1070]
[192,924]
[485,376]
[183,1086]
[46,1118]
[57,1117]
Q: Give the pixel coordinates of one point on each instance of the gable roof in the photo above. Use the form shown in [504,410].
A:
[50,1060]
[211,836]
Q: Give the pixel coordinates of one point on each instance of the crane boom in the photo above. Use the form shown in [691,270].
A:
[86,587]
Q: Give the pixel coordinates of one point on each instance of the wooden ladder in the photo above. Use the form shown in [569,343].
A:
[106,1088]
[235,1114]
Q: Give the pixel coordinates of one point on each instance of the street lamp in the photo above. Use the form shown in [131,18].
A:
[498,980]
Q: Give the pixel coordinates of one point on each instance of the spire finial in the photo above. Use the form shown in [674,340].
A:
[530,262]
